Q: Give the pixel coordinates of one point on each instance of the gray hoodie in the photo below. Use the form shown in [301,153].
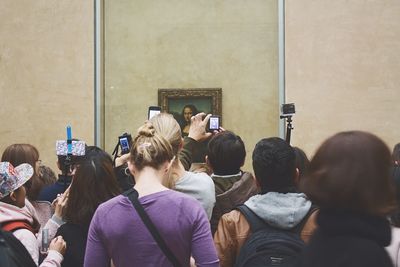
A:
[280,210]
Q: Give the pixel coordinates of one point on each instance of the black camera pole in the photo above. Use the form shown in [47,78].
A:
[289,127]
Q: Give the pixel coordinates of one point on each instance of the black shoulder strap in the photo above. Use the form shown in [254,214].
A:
[255,222]
[132,194]
[298,228]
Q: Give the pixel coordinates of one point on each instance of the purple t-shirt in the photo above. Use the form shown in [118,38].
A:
[118,233]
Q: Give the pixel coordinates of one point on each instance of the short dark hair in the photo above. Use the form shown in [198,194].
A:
[274,165]
[226,153]
[351,171]
[94,183]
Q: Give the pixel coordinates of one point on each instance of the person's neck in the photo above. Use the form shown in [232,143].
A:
[149,181]
[177,171]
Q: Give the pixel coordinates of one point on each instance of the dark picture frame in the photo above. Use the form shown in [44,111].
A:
[178,101]
[207,100]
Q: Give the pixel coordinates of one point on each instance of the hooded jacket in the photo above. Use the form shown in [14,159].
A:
[26,237]
[348,239]
[283,211]
[231,191]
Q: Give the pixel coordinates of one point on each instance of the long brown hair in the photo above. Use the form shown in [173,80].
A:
[17,154]
[94,183]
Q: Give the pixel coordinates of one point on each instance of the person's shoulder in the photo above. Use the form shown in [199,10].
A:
[70,229]
[111,204]
[233,216]
[200,177]
[49,192]
[182,199]
[247,176]
[178,196]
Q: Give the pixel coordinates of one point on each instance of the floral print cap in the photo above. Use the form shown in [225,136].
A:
[13,178]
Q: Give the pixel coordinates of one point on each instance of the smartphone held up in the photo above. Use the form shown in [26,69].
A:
[153,110]
[214,123]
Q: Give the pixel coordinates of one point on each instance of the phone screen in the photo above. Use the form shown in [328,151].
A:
[153,111]
[214,123]
[124,144]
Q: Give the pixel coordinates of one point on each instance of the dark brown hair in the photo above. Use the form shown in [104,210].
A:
[351,171]
[47,175]
[150,149]
[274,165]
[226,153]
[94,183]
[17,154]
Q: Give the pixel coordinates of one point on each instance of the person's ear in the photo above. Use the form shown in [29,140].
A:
[181,144]
[132,168]
[13,196]
[244,160]
[169,165]
[58,165]
[296,178]
[208,162]
[257,183]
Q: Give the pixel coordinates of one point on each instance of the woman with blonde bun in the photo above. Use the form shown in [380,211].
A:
[198,185]
[118,233]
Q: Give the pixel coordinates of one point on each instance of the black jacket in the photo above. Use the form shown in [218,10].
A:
[75,236]
[348,240]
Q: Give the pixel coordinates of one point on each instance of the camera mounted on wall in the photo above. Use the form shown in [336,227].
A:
[124,142]
[287,111]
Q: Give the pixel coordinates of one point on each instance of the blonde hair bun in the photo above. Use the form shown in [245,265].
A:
[146,130]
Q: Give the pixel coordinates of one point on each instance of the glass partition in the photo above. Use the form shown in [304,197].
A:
[231,45]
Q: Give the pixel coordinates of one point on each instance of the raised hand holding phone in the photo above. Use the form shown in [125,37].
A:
[198,126]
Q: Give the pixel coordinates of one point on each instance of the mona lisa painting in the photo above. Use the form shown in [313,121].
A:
[185,103]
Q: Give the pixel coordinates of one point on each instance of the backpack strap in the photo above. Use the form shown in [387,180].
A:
[13,253]
[12,226]
[299,227]
[255,222]
[132,194]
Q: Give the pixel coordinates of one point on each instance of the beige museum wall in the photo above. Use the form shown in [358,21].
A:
[192,44]
[342,68]
[46,73]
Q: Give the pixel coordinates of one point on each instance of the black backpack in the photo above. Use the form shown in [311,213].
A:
[269,246]
[13,253]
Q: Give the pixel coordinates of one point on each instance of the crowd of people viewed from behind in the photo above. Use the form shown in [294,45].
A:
[156,207]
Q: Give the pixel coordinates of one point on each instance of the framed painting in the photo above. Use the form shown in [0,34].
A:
[186,102]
